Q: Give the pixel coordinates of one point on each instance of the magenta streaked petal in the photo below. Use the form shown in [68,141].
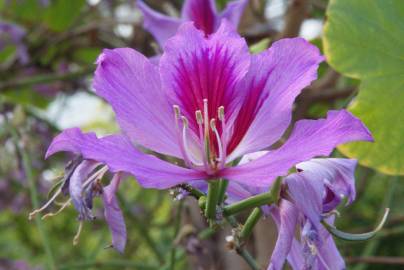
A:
[162,27]
[286,220]
[131,85]
[233,11]
[113,214]
[202,13]
[337,174]
[194,68]
[310,138]
[120,155]
[271,85]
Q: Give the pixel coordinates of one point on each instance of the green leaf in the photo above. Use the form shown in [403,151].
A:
[61,14]
[260,46]
[363,40]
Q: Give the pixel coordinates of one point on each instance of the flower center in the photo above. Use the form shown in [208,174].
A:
[212,145]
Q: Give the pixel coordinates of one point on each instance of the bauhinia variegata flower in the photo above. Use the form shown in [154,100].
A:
[207,103]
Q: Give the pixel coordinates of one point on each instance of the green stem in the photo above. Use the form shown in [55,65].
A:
[192,191]
[43,79]
[222,190]
[248,258]
[251,202]
[176,230]
[26,163]
[241,249]
[212,199]
[251,221]
[255,201]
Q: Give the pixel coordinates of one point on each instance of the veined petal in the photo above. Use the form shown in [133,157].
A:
[113,214]
[309,138]
[271,85]
[328,255]
[286,219]
[131,84]
[194,68]
[233,11]
[162,27]
[79,175]
[120,155]
[202,13]
[307,194]
[337,174]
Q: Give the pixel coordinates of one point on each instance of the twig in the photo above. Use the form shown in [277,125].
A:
[42,79]
[377,260]
[295,15]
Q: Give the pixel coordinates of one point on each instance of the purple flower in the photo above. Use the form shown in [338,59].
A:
[202,12]
[207,103]
[12,34]
[312,196]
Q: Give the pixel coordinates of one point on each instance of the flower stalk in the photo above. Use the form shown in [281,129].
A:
[254,201]
[212,199]
[250,223]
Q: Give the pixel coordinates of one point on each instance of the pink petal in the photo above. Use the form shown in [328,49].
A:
[118,153]
[275,78]
[286,219]
[162,27]
[310,138]
[202,13]
[131,84]
[113,214]
[194,68]
[233,11]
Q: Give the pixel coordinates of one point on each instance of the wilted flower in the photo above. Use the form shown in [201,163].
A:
[202,12]
[312,196]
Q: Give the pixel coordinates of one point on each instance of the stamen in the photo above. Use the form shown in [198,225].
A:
[219,142]
[187,156]
[220,113]
[206,116]
[199,117]
[177,111]
[66,204]
[223,138]
[77,236]
[36,211]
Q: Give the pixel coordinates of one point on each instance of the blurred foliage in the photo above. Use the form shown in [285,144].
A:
[363,40]
[64,37]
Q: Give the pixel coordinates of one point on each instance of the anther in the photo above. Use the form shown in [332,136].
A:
[199,117]
[177,111]
[184,121]
[213,124]
[220,113]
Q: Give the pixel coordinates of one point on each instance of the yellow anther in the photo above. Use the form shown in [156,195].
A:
[220,113]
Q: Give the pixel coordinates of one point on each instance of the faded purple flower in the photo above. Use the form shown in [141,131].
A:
[313,194]
[12,35]
[207,103]
[202,12]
